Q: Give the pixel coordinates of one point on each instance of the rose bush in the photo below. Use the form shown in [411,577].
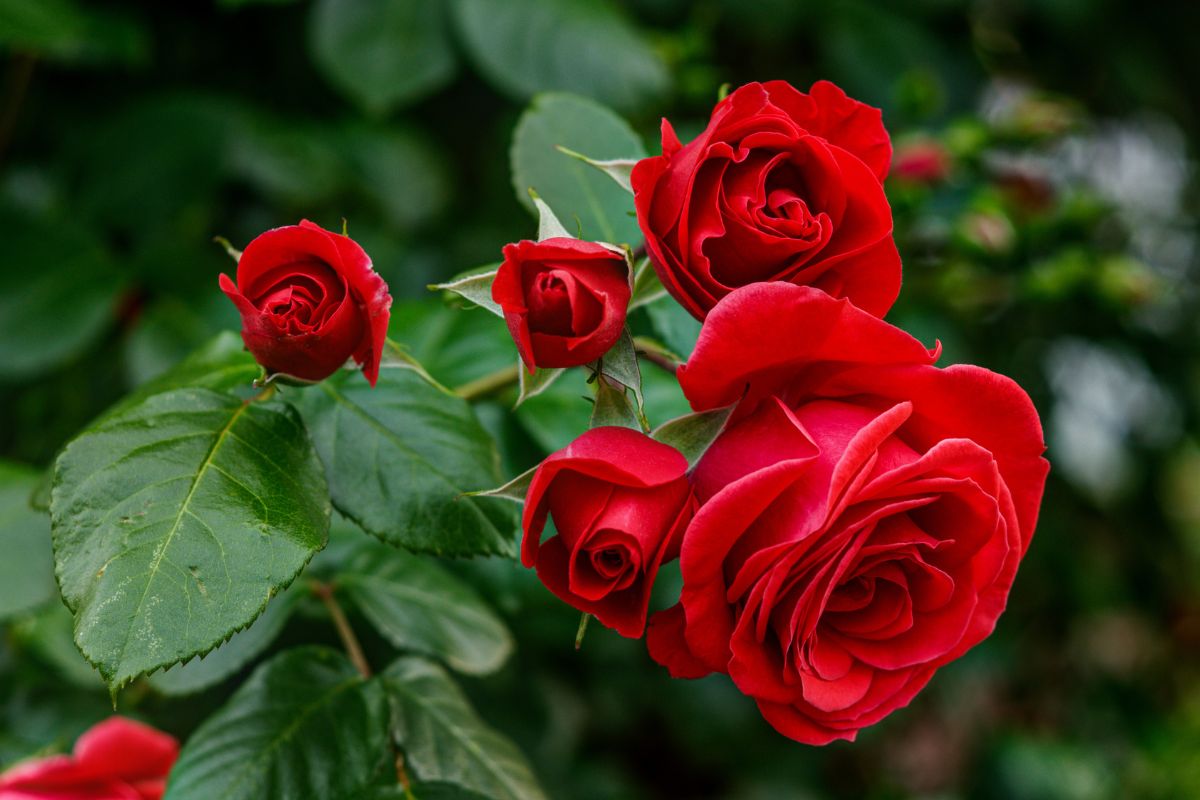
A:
[620,502]
[781,186]
[564,300]
[862,518]
[310,301]
[117,759]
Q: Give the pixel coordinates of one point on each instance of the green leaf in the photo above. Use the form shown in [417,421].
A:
[418,606]
[241,648]
[425,791]
[475,287]
[549,225]
[583,46]
[619,169]
[674,325]
[399,458]
[305,724]
[691,434]
[571,188]
[382,54]
[516,489]
[27,564]
[47,634]
[456,346]
[531,384]
[58,294]
[62,30]
[176,520]
[621,364]
[612,406]
[445,741]
[646,286]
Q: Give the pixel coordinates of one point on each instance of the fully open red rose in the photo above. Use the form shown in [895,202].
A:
[564,300]
[781,186]
[620,502]
[862,518]
[118,759]
[310,301]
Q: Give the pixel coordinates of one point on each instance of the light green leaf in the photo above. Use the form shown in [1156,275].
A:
[382,54]
[531,384]
[574,190]
[475,287]
[691,434]
[399,458]
[444,740]
[176,520]
[674,325]
[515,490]
[646,286]
[47,633]
[612,406]
[583,46]
[549,225]
[418,606]
[619,169]
[456,346]
[305,724]
[58,294]
[242,648]
[27,563]
[621,364]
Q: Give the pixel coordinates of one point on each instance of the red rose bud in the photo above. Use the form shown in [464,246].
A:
[117,758]
[781,186]
[310,301]
[564,300]
[619,501]
[922,161]
[862,517]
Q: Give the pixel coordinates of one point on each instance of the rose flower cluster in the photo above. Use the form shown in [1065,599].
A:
[859,520]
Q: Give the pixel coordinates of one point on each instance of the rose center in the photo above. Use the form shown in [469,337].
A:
[609,562]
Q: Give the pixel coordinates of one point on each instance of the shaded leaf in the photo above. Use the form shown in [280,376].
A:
[418,606]
[305,724]
[27,564]
[445,741]
[475,287]
[531,384]
[691,434]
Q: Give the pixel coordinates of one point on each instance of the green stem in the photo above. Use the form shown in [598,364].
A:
[583,623]
[489,384]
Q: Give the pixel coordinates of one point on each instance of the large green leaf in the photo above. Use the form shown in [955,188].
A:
[27,565]
[674,325]
[242,648]
[58,293]
[445,741]
[176,520]
[417,605]
[579,194]
[305,725]
[382,53]
[399,458]
[584,46]
[70,31]
[456,346]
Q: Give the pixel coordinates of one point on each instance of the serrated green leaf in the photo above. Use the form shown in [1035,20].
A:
[475,287]
[445,741]
[27,564]
[418,606]
[574,190]
[580,46]
[382,54]
[531,384]
[242,648]
[399,458]
[174,522]
[305,724]
[691,434]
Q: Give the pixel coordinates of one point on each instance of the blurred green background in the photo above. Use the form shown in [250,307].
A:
[1045,197]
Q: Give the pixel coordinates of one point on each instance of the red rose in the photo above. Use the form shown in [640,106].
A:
[310,301]
[620,502]
[118,759]
[922,161]
[564,300]
[781,186]
[862,517]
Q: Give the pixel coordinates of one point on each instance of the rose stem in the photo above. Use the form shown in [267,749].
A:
[349,641]
[583,621]
[489,384]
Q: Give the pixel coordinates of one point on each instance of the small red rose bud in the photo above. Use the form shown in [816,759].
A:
[921,161]
[310,301]
[564,300]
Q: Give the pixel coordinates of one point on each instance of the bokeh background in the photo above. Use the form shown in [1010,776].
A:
[1045,197]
